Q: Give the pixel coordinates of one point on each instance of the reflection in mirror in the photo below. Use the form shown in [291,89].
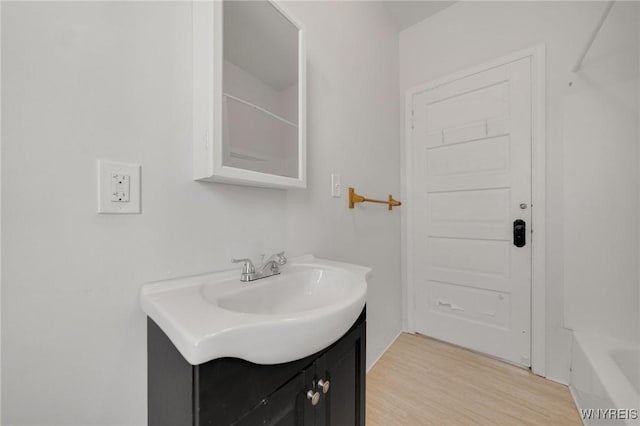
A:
[260,85]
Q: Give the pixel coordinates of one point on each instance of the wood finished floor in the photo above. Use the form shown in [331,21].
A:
[421,381]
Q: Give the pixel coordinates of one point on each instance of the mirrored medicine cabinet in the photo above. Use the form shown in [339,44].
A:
[249,94]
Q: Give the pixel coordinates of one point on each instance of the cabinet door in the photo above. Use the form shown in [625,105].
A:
[287,406]
[343,366]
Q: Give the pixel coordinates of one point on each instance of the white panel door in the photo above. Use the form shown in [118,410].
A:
[471,179]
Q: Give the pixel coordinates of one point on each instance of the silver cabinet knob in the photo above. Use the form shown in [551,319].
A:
[314,397]
[523,206]
[324,385]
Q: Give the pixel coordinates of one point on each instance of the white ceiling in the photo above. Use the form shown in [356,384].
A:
[408,13]
[260,40]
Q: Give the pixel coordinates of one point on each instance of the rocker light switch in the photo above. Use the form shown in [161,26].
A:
[118,188]
[336,186]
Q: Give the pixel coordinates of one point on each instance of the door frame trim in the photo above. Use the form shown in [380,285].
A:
[538,193]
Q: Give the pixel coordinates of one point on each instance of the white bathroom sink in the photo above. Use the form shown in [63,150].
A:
[310,305]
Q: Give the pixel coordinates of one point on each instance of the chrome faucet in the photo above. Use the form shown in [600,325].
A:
[248,270]
[268,268]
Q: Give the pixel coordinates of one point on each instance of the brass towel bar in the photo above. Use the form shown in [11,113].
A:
[355,198]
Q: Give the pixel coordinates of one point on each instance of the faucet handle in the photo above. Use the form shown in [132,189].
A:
[282,260]
[247,267]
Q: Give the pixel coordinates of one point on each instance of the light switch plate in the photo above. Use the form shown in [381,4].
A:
[336,186]
[118,188]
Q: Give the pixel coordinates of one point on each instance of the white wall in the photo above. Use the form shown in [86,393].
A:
[600,140]
[470,33]
[86,80]
[353,130]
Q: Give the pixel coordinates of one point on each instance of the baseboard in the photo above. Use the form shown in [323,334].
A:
[385,350]
[575,402]
[553,379]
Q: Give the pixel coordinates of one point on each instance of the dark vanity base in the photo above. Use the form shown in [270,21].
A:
[231,391]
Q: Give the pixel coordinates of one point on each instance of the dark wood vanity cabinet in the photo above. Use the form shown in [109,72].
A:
[287,406]
[230,391]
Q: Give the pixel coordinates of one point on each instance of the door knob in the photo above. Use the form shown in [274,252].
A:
[314,397]
[324,385]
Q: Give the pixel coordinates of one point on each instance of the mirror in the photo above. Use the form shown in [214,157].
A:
[257,125]
[260,89]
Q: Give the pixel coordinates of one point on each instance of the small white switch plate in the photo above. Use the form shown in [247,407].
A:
[336,186]
[118,188]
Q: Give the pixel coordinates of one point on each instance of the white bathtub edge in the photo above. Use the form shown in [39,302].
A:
[596,381]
